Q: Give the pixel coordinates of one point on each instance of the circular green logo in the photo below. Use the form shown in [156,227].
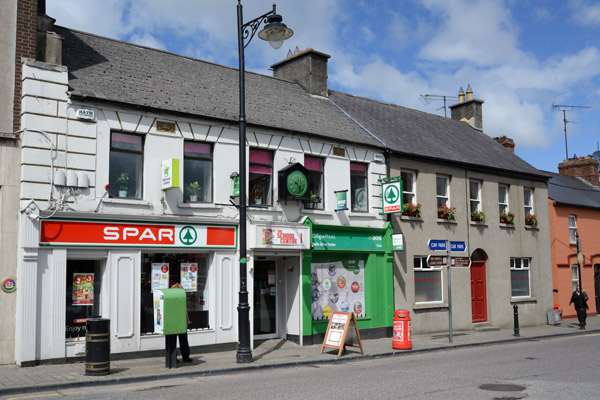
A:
[391,194]
[188,235]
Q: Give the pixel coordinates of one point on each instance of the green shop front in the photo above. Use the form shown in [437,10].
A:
[347,268]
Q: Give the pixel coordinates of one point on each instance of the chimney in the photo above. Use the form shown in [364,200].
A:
[506,142]
[49,44]
[307,68]
[468,110]
[583,167]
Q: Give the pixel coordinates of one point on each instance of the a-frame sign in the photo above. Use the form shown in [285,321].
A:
[342,332]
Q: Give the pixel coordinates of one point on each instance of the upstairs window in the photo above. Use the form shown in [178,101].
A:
[314,165]
[197,172]
[409,187]
[475,196]
[528,201]
[443,190]
[125,165]
[358,186]
[503,198]
[572,229]
[260,182]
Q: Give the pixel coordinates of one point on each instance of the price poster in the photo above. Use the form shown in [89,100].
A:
[160,276]
[83,289]
[189,276]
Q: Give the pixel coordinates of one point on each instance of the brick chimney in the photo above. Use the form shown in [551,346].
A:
[468,110]
[49,43]
[506,142]
[583,167]
[307,68]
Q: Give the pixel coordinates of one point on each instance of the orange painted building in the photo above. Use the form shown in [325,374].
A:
[574,209]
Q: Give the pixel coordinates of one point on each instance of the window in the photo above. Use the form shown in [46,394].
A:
[443,190]
[358,186]
[528,201]
[314,165]
[574,276]
[428,281]
[197,172]
[409,187]
[503,198]
[519,277]
[161,270]
[475,196]
[260,182]
[125,165]
[84,284]
[572,229]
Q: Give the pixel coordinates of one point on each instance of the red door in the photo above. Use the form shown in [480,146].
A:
[478,294]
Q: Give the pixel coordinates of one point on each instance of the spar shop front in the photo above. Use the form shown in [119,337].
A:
[348,269]
[75,269]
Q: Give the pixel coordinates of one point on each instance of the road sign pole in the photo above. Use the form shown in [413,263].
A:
[449,264]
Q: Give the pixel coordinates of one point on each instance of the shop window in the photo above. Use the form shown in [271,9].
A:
[475,196]
[574,276]
[161,271]
[125,165]
[503,198]
[528,201]
[84,285]
[519,277]
[572,229]
[409,187]
[428,281]
[358,186]
[443,190]
[260,182]
[197,172]
[314,165]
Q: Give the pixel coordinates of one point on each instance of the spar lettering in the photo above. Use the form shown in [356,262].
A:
[129,233]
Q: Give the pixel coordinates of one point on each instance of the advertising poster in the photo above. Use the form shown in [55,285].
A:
[337,286]
[83,289]
[189,276]
[159,309]
[160,276]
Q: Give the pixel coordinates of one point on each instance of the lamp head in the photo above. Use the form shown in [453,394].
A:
[275,31]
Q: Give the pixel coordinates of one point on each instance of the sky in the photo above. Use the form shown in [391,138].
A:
[522,57]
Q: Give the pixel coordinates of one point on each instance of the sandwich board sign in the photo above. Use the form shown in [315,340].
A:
[342,332]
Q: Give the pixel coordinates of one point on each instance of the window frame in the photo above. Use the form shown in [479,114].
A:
[517,264]
[572,229]
[424,268]
[208,158]
[113,187]
[405,191]
[528,201]
[476,200]
[439,196]
[267,197]
[354,175]
[503,206]
[321,176]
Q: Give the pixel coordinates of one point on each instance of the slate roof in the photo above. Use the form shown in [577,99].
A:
[110,70]
[573,191]
[418,134]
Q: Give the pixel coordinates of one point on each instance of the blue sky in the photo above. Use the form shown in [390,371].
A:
[519,56]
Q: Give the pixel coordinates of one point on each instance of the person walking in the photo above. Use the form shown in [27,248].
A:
[579,299]
[184,345]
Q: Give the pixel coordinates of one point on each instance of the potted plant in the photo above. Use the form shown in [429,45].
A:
[478,216]
[312,201]
[412,209]
[123,184]
[193,189]
[531,219]
[507,217]
[446,212]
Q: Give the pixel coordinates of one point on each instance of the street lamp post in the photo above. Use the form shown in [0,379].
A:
[275,32]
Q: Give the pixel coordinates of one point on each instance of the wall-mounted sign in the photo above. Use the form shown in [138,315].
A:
[397,242]
[164,126]
[282,236]
[123,234]
[170,174]
[84,113]
[346,240]
[391,193]
[9,285]
[342,200]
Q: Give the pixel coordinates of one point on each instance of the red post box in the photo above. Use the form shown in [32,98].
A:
[401,338]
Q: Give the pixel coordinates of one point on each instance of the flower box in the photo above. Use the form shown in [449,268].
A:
[531,220]
[445,212]
[411,209]
[507,218]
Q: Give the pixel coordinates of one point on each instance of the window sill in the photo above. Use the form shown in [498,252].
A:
[532,228]
[410,218]
[208,206]
[446,221]
[137,202]
[478,223]
[429,306]
[506,226]
[359,214]
[314,212]
[523,300]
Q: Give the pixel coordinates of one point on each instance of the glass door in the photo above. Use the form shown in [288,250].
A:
[265,300]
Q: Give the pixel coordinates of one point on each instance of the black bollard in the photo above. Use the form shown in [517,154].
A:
[516,316]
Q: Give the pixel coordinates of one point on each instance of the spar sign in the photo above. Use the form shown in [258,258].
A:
[391,193]
[124,234]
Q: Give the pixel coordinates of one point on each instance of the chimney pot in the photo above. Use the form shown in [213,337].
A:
[469,110]
[461,95]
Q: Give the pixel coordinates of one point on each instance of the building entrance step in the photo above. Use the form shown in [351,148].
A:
[484,327]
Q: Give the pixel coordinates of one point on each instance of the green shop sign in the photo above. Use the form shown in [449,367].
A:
[341,240]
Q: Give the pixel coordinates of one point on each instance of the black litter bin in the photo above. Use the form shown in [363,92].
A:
[97,346]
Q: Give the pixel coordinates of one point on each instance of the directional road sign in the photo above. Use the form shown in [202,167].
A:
[437,245]
[436,261]
[458,246]
[461,261]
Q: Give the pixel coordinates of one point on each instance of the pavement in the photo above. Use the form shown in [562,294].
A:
[267,355]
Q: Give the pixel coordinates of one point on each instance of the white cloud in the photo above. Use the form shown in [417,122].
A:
[585,13]
[103,18]
[147,40]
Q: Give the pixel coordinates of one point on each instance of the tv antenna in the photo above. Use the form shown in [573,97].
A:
[564,108]
[428,98]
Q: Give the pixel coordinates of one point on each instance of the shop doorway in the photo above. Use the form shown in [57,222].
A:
[83,295]
[478,287]
[265,299]
[597,285]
